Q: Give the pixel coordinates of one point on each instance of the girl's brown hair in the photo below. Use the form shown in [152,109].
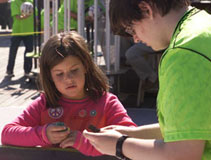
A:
[55,50]
[123,12]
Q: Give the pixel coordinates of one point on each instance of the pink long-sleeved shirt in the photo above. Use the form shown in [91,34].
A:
[29,128]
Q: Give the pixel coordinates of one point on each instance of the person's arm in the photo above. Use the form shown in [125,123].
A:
[159,150]
[26,130]
[118,120]
[151,131]
[150,149]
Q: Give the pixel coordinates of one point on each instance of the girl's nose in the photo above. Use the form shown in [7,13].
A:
[68,76]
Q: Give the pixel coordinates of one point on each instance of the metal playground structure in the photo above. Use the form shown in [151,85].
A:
[112,43]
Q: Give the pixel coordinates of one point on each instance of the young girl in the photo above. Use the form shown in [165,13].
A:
[75,93]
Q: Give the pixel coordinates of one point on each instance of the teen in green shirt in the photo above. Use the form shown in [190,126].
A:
[184,99]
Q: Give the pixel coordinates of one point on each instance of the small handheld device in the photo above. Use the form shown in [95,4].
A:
[61,124]
[93,128]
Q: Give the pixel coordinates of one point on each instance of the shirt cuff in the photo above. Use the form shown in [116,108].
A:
[78,140]
[44,134]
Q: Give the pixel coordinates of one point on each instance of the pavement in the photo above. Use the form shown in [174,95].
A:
[16,93]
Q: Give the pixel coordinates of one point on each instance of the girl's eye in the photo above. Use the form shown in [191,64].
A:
[74,70]
[59,74]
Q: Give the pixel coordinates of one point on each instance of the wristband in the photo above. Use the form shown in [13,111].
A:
[119,144]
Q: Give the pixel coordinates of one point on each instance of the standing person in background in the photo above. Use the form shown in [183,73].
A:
[75,94]
[23,29]
[184,98]
[141,58]
[73,9]
[73,20]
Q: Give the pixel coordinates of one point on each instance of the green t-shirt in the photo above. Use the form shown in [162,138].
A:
[73,8]
[184,98]
[24,25]
[73,22]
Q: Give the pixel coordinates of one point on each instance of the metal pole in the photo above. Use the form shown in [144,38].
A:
[108,36]
[81,17]
[39,26]
[55,16]
[95,29]
[46,20]
[117,53]
[65,15]
[35,35]
[68,15]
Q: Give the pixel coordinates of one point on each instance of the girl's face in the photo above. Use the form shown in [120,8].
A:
[69,78]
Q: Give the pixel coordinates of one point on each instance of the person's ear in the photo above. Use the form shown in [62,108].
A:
[136,39]
[146,9]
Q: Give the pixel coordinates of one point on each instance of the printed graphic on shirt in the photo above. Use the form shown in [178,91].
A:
[55,113]
[93,113]
[82,113]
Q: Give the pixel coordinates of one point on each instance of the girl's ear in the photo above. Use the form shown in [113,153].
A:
[146,9]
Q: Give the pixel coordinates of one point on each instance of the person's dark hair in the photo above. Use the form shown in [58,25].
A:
[123,12]
[54,51]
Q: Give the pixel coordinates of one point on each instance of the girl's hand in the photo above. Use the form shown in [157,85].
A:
[70,140]
[56,134]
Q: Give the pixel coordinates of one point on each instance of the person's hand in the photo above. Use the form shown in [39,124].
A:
[20,17]
[56,134]
[122,129]
[70,140]
[104,141]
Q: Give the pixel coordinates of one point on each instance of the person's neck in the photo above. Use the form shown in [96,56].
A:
[171,20]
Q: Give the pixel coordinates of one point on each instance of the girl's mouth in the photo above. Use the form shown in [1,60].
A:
[71,87]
